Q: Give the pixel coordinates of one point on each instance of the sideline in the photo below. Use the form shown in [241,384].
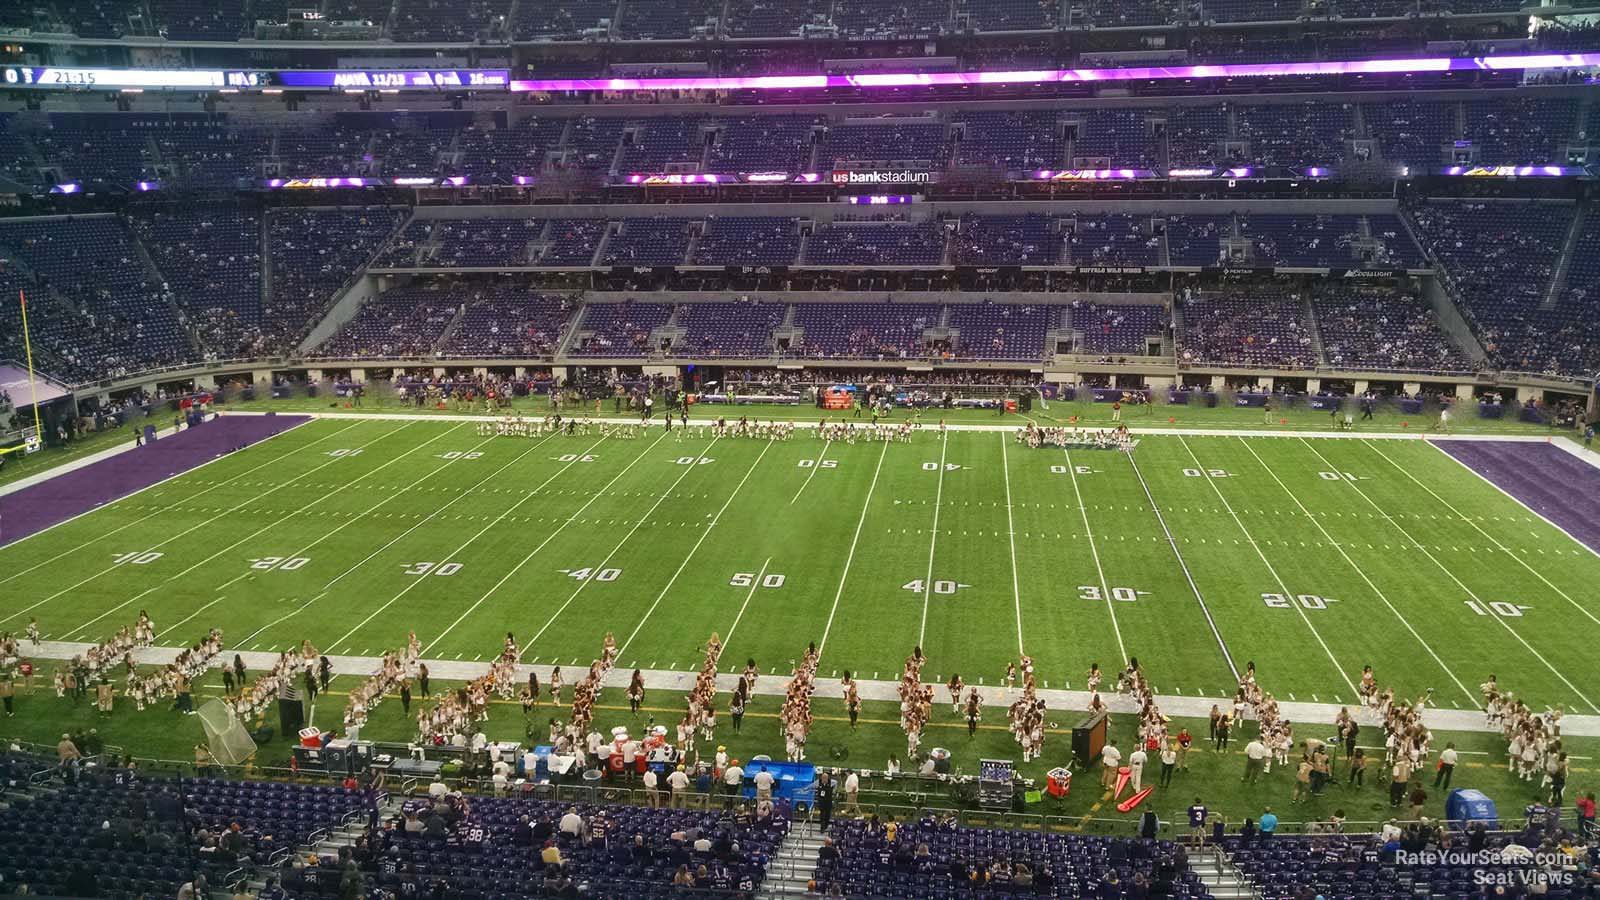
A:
[831,688]
[1017,421]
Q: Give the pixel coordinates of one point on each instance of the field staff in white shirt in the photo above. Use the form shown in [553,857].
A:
[1447,766]
[1255,760]
[733,781]
[651,792]
[1136,761]
[679,782]
[1110,758]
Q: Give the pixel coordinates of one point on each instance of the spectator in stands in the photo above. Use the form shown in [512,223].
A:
[1269,823]
[572,824]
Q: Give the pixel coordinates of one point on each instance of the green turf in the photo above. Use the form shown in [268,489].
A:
[667,533]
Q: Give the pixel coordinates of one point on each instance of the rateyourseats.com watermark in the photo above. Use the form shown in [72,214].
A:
[1491,868]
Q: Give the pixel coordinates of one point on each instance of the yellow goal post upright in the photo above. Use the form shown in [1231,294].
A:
[33,437]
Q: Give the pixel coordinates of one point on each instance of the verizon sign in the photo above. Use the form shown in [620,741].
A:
[874,177]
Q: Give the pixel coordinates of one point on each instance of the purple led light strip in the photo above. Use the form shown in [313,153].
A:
[935,79]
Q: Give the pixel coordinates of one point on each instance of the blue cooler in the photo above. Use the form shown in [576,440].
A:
[1465,806]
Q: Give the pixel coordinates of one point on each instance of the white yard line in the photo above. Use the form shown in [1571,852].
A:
[1503,548]
[815,465]
[1472,698]
[1011,535]
[420,579]
[547,539]
[374,507]
[933,542]
[695,549]
[396,495]
[1282,585]
[754,586]
[614,550]
[451,502]
[851,556]
[1094,552]
[1452,576]
[250,471]
[78,632]
[1184,565]
[192,528]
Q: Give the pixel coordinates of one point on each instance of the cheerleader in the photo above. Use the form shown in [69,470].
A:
[974,712]
[1368,688]
[636,692]
[1010,680]
[1092,679]
[955,687]
[555,685]
[751,673]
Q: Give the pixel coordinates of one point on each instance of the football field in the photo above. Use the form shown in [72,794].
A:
[1310,557]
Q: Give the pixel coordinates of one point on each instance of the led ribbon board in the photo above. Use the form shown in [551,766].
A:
[1047,76]
[396,79]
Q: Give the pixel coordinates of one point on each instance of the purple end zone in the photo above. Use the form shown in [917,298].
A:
[1548,480]
[73,493]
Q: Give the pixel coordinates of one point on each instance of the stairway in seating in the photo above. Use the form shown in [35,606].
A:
[157,279]
[790,868]
[1221,878]
[450,328]
[1558,281]
[325,842]
[1308,310]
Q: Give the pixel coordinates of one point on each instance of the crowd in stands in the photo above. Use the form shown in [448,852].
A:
[1461,862]
[403,322]
[1382,329]
[210,260]
[101,310]
[658,241]
[96,310]
[1000,330]
[1257,328]
[315,252]
[620,329]
[1117,328]
[104,830]
[189,149]
[876,243]
[733,330]
[934,857]
[864,329]
[1112,239]
[1499,258]
[502,322]
[748,241]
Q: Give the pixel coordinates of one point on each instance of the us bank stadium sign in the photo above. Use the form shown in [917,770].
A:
[882,176]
